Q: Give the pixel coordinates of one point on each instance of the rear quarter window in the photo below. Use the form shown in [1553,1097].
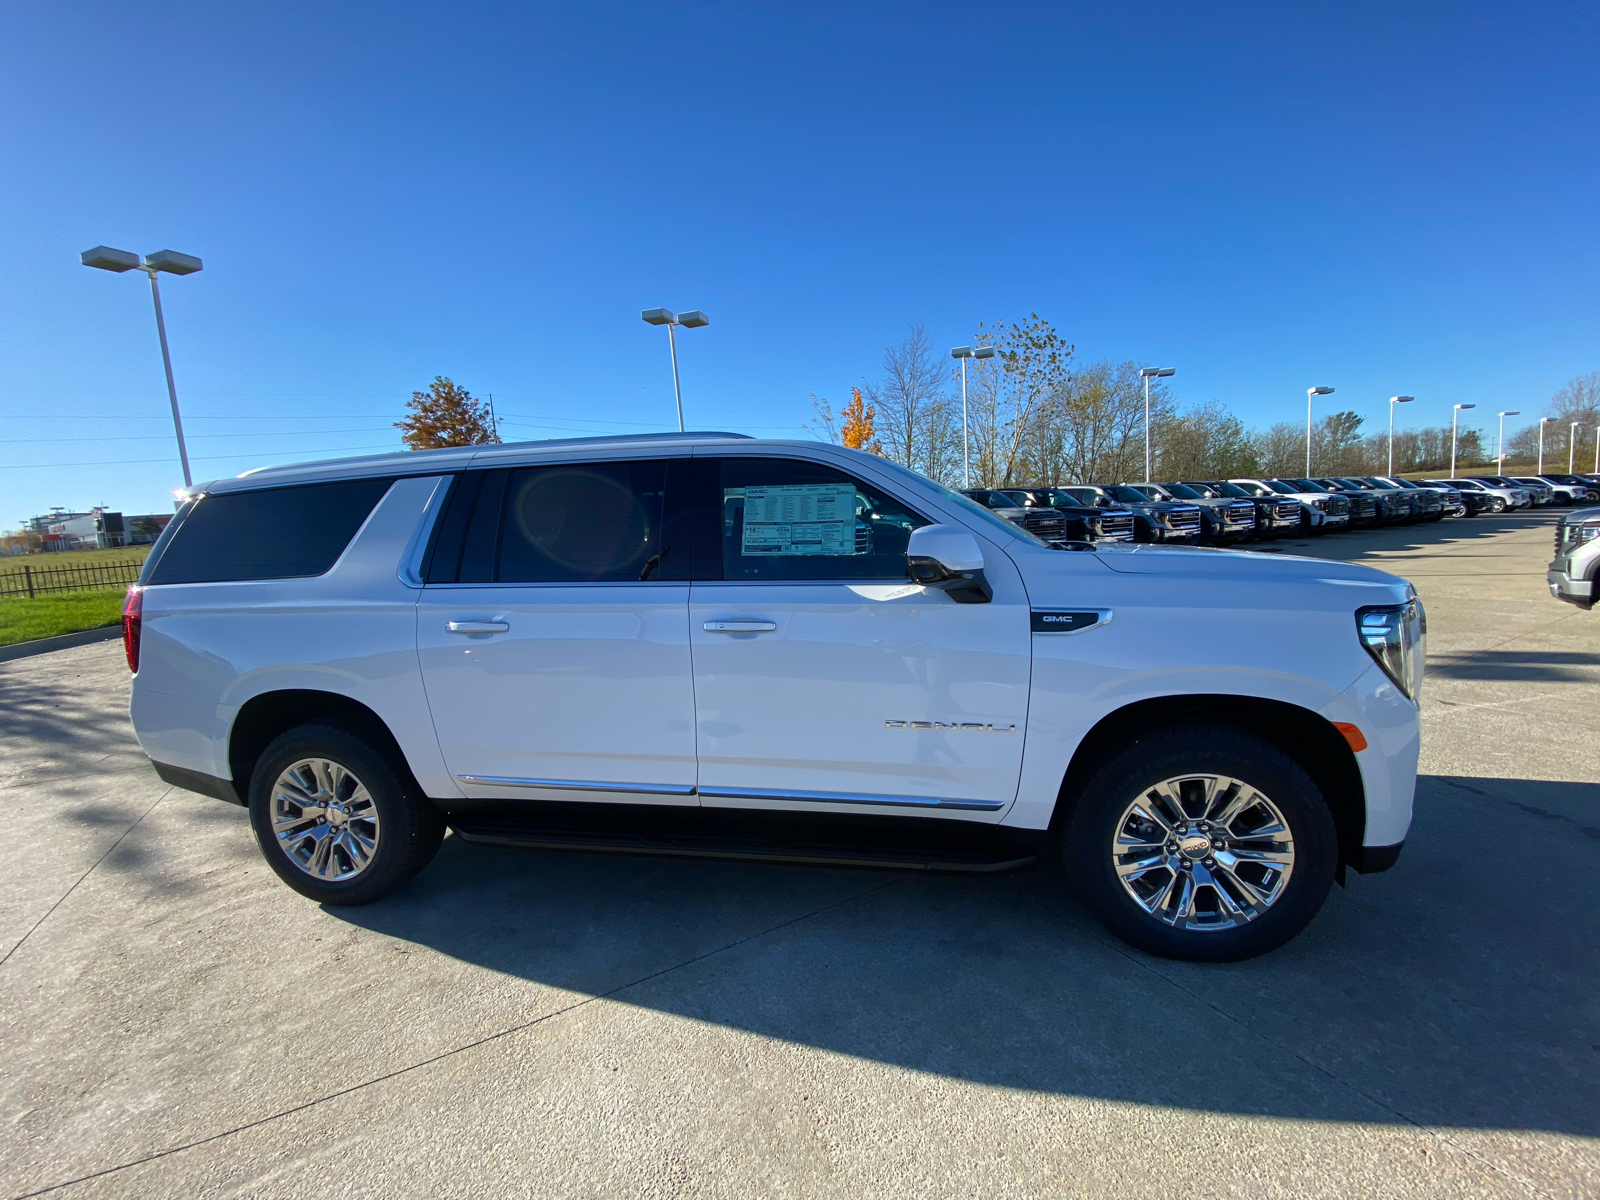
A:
[278,533]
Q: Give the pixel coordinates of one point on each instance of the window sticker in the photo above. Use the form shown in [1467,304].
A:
[799,518]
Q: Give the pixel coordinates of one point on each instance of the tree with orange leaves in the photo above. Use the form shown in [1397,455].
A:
[446,415]
[856,431]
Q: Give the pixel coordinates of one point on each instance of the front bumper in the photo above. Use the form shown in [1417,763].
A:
[1564,587]
[1161,533]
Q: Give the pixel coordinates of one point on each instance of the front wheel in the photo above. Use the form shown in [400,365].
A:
[1202,842]
[336,819]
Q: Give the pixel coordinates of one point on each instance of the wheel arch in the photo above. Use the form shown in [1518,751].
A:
[1305,736]
[267,715]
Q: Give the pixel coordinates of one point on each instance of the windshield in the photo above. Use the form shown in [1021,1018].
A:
[1019,497]
[1181,491]
[1406,483]
[1308,485]
[1130,495]
[1355,484]
[966,503]
[1056,498]
[1084,495]
[1279,486]
[1230,489]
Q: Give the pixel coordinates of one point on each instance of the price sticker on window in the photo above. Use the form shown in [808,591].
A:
[799,518]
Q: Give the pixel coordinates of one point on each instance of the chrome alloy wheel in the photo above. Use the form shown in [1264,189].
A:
[324,819]
[1203,852]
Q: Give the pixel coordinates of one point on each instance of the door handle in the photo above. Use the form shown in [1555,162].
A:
[740,626]
[477,626]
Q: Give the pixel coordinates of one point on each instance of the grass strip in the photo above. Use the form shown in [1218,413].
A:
[24,620]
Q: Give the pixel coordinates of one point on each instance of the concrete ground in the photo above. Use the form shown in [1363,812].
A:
[175,1022]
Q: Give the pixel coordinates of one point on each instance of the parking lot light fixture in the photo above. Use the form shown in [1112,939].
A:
[1311,394]
[963,353]
[1543,421]
[1393,400]
[1454,416]
[1150,373]
[1500,467]
[689,320]
[106,258]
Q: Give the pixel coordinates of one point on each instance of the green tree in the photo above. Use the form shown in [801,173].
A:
[446,415]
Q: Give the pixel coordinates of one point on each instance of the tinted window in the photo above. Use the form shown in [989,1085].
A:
[784,519]
[566,523]
[1131,495]
[282,533]
[1283,489]
[1182,491]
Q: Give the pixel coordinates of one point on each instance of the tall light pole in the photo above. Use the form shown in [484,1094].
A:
[963,353]
[105,258]
[1393,400]
[1543,421]
[1500,467]
[689,320]
[1572,446]
[1150,373]
[1454,416]
[1311,394]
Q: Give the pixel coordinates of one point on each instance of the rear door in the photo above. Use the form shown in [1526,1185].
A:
[553,633]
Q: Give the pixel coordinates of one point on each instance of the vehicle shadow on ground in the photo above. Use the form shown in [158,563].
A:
[49,731]
[1448,992]
[1529,666]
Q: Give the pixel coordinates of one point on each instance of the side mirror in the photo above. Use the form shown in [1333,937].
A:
[948,558]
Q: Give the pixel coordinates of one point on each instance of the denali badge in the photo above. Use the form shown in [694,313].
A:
[963,726]
[1069,620]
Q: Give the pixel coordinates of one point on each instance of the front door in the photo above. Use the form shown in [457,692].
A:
[553,634]
[823,678]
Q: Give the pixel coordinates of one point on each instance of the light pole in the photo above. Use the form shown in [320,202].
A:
[689,320]
[1150,373]
[1543,421]
[1454,416]
[1393,400]
[964,353]
[1311,394]
[106,259]
[1572,446]
[1500,467]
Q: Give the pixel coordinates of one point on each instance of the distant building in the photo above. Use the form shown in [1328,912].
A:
[97,529]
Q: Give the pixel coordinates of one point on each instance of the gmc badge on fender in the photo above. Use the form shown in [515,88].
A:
[1075,621]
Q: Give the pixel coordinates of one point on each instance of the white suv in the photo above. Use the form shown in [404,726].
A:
[705,644]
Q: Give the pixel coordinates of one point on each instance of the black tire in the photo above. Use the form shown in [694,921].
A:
[1201,748]
[407,827]
[1499,505]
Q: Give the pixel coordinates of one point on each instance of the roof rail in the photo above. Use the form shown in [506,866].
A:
[614,438]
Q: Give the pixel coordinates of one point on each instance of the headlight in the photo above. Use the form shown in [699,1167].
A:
[1395,636]
[1322,504]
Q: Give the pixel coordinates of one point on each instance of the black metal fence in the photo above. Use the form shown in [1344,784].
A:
[34,581]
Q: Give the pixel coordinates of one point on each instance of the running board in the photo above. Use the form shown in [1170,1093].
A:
[908,845]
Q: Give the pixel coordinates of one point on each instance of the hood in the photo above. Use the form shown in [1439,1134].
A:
[1200,564]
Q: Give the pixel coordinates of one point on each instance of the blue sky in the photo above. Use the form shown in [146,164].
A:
[1381,198]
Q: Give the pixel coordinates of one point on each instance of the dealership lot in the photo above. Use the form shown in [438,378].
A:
[175,1022]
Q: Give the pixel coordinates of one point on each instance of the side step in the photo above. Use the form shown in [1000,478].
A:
[893,843]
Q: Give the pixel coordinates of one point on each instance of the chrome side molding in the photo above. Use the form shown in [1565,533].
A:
[579,785]
[851,798]
[722,793]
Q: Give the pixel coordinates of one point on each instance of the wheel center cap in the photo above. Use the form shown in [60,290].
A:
[336,816]
[1194,846]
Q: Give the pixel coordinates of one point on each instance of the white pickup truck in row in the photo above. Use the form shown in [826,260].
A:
[708,644]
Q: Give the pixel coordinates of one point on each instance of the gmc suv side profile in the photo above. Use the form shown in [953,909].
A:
[706,644]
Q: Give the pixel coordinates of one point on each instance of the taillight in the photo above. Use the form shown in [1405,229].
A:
[132,612]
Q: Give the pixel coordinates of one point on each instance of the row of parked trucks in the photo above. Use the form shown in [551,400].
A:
[1221,512]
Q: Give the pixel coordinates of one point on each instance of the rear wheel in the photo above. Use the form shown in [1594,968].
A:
[336,819]
[1202,842]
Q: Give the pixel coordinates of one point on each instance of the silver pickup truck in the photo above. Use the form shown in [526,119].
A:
[1573,571]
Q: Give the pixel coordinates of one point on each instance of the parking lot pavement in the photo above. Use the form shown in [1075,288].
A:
[175,1022]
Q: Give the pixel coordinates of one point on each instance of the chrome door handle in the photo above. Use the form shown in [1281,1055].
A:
[477,626]
[740,626]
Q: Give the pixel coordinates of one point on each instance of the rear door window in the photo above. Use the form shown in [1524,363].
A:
[564,523]
[277,533]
